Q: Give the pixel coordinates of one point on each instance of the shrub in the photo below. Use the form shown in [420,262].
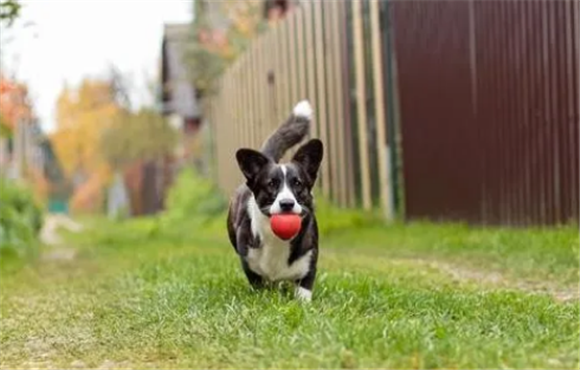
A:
[194,200]
[20,219]
[331,218]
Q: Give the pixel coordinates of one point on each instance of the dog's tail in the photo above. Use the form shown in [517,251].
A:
[290,133]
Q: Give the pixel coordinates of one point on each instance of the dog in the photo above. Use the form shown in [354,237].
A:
[272,188]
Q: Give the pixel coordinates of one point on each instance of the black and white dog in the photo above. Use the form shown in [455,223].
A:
[273,188]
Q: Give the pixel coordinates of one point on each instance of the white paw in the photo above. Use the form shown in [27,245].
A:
[303,294]
[303,109]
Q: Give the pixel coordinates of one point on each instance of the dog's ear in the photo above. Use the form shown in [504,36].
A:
[309,157]
[251,162]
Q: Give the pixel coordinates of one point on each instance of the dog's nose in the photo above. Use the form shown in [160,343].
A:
[286,205]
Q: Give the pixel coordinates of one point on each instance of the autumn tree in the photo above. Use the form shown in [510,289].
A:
[82,115]
[221,31]
[142,136]
[15,105]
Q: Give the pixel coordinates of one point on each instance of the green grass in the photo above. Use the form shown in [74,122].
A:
[142,295]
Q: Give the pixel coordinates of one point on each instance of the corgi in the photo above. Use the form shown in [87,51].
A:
[273,188]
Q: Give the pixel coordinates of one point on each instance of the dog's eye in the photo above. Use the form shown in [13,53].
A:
[296,183]
[273,184]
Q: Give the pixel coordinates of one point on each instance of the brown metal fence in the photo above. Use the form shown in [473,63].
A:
[483,95]
[489,109]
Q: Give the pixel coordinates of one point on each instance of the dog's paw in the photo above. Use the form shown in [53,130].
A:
[303,294]
[303,109]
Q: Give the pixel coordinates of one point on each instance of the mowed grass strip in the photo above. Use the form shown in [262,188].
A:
[137,297]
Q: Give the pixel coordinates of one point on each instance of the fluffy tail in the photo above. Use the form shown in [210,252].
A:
[290,133]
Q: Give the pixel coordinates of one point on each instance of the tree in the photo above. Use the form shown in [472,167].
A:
[82,115]
[143,136]
[221,31]
[15,105]
[9,11]
[120,87]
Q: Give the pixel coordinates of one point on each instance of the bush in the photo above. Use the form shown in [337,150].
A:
[331,218]
[194,200]
[195,203]
[20,219]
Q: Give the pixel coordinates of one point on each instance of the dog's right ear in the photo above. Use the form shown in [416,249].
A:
[251,162]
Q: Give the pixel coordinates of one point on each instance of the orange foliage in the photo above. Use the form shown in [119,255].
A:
[82,116]
[14,102]
[88,197]
[243,17]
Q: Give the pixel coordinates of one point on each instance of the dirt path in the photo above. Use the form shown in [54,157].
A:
[50,237]
[495,278]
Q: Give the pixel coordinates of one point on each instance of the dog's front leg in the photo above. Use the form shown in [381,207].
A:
[255,280]
[244,241]
[244,238]
[304,286]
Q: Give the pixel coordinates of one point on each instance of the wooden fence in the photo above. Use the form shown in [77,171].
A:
[454,88]
[320,53]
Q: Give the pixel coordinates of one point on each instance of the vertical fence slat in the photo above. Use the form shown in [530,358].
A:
[536,119]
[361,103]
[330,145]
[270,58]
[244,111]
[574,110]
[331,88]
[340,153]
[284,82]
[292,73]
[251,91]
[520,20]
[555,117]
[301,55]
[544,125]
[548,136]
[347,80]
[310,65]
[263,87]
[576,99]
[380,111]
[276,78]
[321,94]
[258,86]
[561,101]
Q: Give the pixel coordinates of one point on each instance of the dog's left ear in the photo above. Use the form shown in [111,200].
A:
[309,157]
[251,162]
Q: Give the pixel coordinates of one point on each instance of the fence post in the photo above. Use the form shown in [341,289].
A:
[321,85]
[361,103]
[384,181]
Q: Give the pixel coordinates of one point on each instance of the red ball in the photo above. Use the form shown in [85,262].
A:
[285,226]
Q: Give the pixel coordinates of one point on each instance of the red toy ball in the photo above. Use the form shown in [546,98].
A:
[285,226]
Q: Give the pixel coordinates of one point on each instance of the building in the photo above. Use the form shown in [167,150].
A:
[179,102]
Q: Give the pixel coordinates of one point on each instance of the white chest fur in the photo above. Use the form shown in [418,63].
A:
[271,259]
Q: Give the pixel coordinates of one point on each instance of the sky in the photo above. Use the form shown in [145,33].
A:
[73,39]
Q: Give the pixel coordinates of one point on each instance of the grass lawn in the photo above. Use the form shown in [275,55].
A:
[418,296]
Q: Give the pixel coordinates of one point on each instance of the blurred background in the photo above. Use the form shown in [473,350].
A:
[443,110]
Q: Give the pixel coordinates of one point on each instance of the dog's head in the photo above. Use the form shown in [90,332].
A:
[282,188]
